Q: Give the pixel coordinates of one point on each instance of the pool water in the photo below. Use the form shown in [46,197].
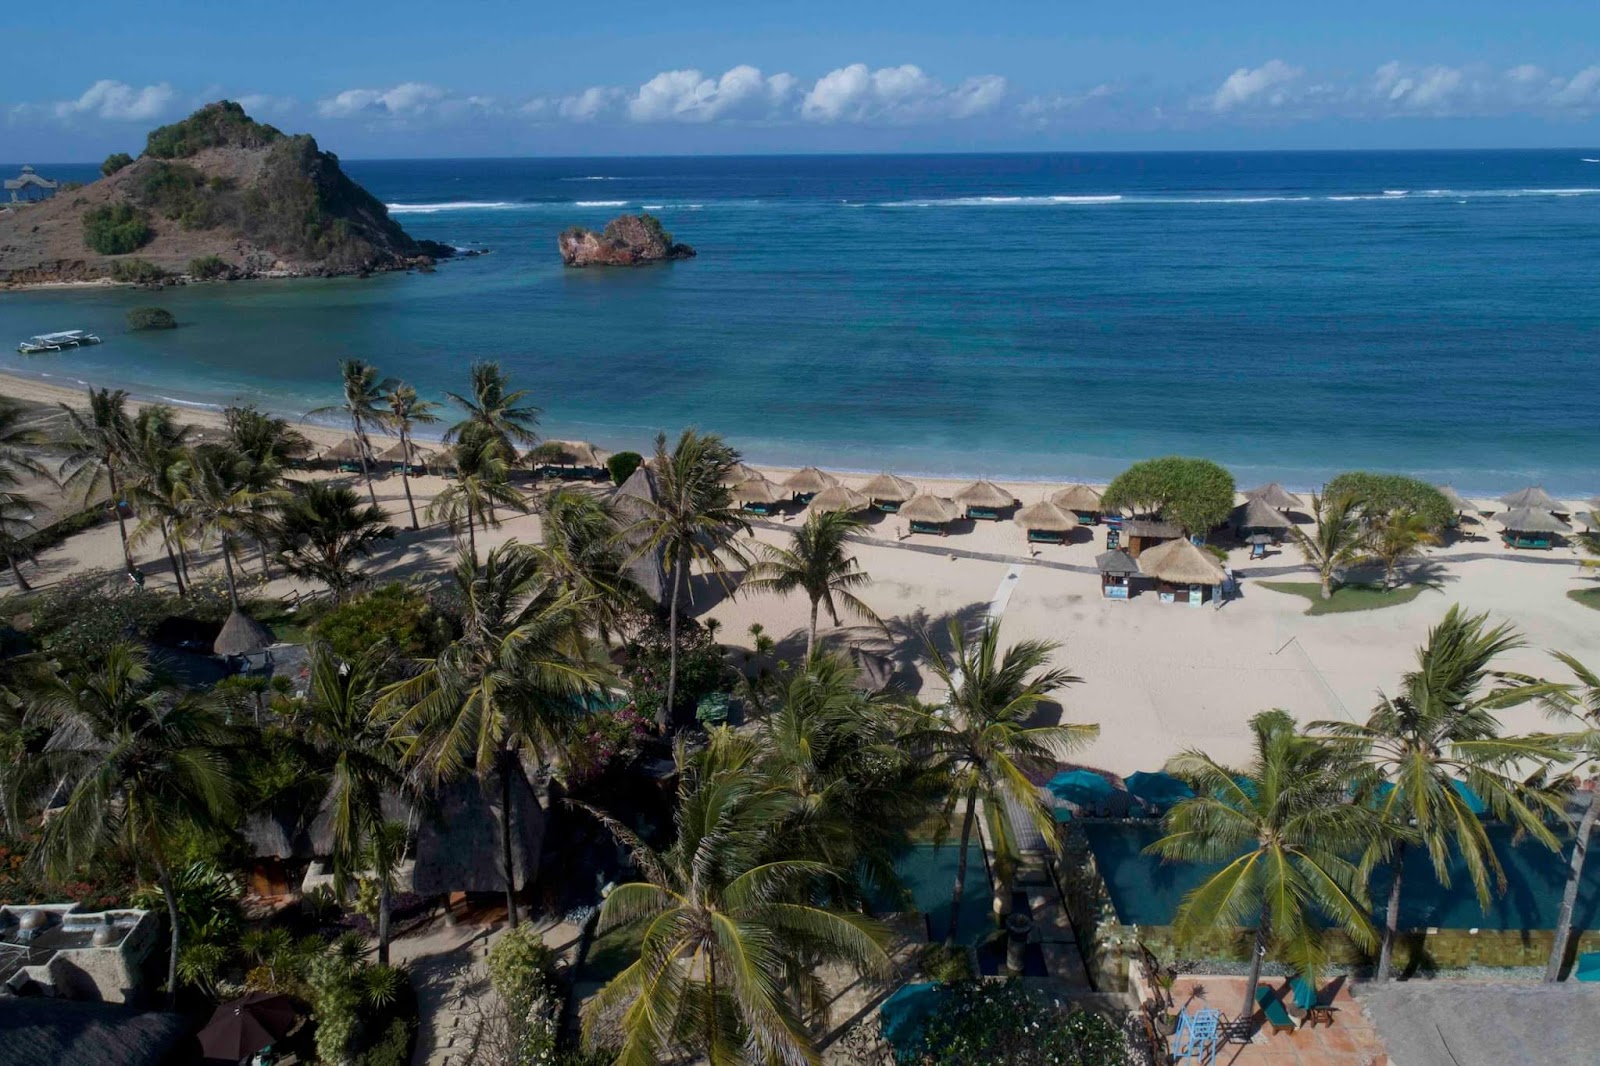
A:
[928,872]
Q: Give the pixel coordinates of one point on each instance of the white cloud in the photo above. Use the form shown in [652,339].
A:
[412,99]
[119,102]
[1267,84]
[897,94]
[689,96]
[258,104]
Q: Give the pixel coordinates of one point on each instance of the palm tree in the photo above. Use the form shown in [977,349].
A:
[580,552]
[364,403]
[730,935]
[19,435]
[407,410]
[495,412]
[481,485]
[511,683]
[363,765]
[268,441]
[323,530]
[1442,729]
[1396,537]
[1280,829]
[97,452]
[692,519]
[982,739]
[139,761]
[1580,705]
[16,525]
[816,563]
[157,458]
[1337,540]
[226,501]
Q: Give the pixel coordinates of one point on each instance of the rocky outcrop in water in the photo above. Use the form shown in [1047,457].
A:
[627,240]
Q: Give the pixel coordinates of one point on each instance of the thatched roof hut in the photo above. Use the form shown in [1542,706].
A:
[1256,514]
[758,490]
[1047,517]
[1533,496]
[740,472]
[1274,495]
[348,450]
[242,635]
[1117,563]
[1531,520]
[419,455]
[632,503]
[840,498]
[1457,501]
[934,510]
[567,453]
[985,495]
[1078,498]
[68,1032]
[808,481]
[458,845]
[888,487]
[1179,562]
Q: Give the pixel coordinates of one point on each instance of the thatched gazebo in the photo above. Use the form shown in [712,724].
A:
[347,453]
[1046,523]
[1533,496]
[1117,570]
[416,463]
[927,513]
[568,460]
[1274,495]
[888,492]
[1530,527]
[758,496]
[1256,515]
[243,636]
[840,498]
[1082,501]
[807,482]
[1183,572]
[985,499]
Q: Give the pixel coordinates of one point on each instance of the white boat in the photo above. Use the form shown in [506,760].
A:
[54,342]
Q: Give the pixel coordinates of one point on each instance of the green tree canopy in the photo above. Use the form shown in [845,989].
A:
[115,229]
[114,162]
[1197,494]
[1382,494]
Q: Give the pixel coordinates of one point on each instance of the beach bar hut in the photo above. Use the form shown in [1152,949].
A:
[1117,571]
[758,496]
[1046,523]
[1275,496]
[927,513]
[806,483]
[1183,572]
[347,454]
[569,460]
[1082,501]
[985,500]
[1142,534]
[888,492]
[840,498]
[1255,515]
[1530,527]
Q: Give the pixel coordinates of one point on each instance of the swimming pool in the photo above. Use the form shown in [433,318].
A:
[1146,891]
[928,872]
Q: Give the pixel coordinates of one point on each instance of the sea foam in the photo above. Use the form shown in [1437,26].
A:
[450,205]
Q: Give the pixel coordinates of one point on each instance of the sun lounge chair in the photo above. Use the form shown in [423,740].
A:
[1046,536]
[930,527]
[986,514]
[1272,1010]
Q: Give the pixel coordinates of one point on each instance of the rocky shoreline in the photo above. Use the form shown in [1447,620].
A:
[627,240]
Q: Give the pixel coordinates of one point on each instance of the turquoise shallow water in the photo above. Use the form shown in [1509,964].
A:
[1046,317]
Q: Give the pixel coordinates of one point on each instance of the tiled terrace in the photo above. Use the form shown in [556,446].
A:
[1350,1041]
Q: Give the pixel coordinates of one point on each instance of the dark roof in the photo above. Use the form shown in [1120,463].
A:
[458,843]
[64,1032]
[1116,561]
[648,570]
[1150,527]
[1457,1023]
[242,635]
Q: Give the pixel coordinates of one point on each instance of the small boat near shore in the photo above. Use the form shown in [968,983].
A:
[55,342]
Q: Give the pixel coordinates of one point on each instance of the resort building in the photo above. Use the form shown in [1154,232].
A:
[53,949]
[28,187]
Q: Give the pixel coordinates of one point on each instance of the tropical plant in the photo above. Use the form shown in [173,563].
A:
[730,938]
[115,162]
[1579,706]
[115,228]
[1282,832]
[208,910]
[324,530]
[512,683]
[818,564]
[1395,537]
[481,485]
[1381,494]
[1336,542]
[1197,494]
[580,551]
[364,405]
[395,613]
[138,760]
[268,441]
[496,414]
[20,434]
[226,500]
[982,738]
[97,451]
[1008,1022]
[353,1001]
[621,466]
[157,460]
[407,410]
[692,519]
[16,529]
[1437,733]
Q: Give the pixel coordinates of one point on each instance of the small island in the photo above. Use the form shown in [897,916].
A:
[627,240]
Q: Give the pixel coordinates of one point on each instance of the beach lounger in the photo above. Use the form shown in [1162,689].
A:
[1045,536]
[986,514]
[887,506]
[1272,1010]
[930,527]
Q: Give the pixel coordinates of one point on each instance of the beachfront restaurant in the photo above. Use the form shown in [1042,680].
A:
[1117,571]
[1046,523]
[1182,572]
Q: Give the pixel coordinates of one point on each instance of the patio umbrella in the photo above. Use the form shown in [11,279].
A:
[929,508]
[1077,498]
[1531,520]
[1179,562]
[888,487]
[1532,496]
[810,480]
[839,498]
[758,490]
[984,494]
[1082,787]
[1455,499]
[1274,495]
[1159,788]
[239,1029]
[1047,517]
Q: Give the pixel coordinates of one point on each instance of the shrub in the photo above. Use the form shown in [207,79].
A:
[151,318]
[1196,494]
[207,267]
[137,271]
[182,193]
[608,739]
[1381,494]
[115,229]
[214,125]
[78,619]
[114,162]
[712,709]
[622,465]
[396,613]
[701,668]
[1007,1023]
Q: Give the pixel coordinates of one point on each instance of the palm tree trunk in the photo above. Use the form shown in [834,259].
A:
[664,718]
[1257,953]
[116,504]
[227,569]
[506,762]
[383,918]
[266,560]
[405,475]
[1569,895]
[711,1008]
[172,561]
[171,896]
[961,873]
[811,634]
[1391,920]
[1327,586]
[16,572]
[472,537]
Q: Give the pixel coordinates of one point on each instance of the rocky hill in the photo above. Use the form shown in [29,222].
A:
[627,240]
[215,195]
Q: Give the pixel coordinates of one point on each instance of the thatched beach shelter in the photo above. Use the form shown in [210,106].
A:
[1530,527]
[633,502]
[347,453]
[1532,496]
[1046,523]
[418,460]
[985,499]
[1082,501]
[458,844]
[1459,503]
[1256,515]
[740,472]
[1274,495]
[1183,572]
[242,635]
[1117,571]
[927,513]
[888,492]
[840,498]
[758,495]
[807,482]
[568,459]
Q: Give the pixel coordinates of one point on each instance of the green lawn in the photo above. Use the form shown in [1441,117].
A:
[612,953]
[290,627]
[1355,597]
[1587,597]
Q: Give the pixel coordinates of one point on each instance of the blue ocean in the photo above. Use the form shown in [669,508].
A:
[1038,316]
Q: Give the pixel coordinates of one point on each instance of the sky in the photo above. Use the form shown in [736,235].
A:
[407,79]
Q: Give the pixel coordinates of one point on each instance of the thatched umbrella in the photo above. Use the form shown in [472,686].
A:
[985,495]
[1078,498]
[1179,562]
[395,453]
[1274,495]
[1459,503]
[242,635]
[758,490]
[926,507]
[1046,517]
[888,487]
[840,498]
[347,450]
[1532,496]
[1257,513]
[567,453]
[740,472]
[809,481]
[1531,520]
